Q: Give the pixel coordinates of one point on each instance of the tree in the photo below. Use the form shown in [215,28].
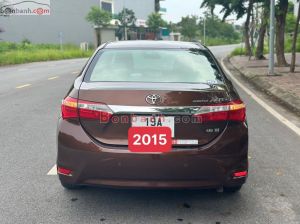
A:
[173,27]
[211,5]
[127,18]
[290,23]
[99,18]
[280,15]
[294,44]
[247,29]
[259,54]
[239,8]
[245,7]
[216,28]
[154,22]
[189,27]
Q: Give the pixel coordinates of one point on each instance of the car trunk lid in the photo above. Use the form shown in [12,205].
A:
[179,103]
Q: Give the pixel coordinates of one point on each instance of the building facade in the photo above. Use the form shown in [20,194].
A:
[67,21]
[141,8]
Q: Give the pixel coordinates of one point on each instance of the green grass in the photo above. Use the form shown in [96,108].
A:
[288,47]
[288,43]
[238,51]
[220,41]
[12,53]
[241,51]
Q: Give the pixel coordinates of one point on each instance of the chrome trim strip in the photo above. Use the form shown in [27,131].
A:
[184,110]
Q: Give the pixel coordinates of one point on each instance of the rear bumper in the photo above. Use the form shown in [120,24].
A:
[93,164]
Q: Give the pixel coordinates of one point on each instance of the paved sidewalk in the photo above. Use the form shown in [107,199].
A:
[285,87]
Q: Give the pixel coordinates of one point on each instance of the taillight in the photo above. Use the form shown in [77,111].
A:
[237,111]
[69,108]
[92,110]
[232,111]
[73,108]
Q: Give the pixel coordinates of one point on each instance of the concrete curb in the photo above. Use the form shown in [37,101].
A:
[287,99]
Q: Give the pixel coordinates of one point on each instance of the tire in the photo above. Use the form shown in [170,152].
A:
[232,190]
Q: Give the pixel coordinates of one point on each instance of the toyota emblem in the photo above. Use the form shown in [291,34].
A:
[153,99]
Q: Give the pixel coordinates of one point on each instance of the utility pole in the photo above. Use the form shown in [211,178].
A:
[272,38]
[125,33]
[125,20]
[125,25]
[60,35]
[204,30]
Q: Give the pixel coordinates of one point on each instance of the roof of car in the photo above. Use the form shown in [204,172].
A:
[154,44]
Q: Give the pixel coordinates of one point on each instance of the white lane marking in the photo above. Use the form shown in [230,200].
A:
[51,78]
[75,73]
[23,86]
[281,118]
[52,171]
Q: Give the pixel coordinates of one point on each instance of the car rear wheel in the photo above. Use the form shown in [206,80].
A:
[232,190]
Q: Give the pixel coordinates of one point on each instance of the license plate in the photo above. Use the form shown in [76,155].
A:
[153,121]
[149,139]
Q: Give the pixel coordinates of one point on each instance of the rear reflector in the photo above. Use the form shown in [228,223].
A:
[240,174]
[64,171]
[73,108]
[232,111]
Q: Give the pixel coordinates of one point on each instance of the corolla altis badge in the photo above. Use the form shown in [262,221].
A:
[153,99]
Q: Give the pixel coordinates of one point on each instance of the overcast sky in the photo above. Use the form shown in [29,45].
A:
[178,8]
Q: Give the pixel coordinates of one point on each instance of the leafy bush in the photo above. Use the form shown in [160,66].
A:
[238,51]
[288,43]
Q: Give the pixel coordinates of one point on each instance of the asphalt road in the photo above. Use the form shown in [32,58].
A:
[30,98]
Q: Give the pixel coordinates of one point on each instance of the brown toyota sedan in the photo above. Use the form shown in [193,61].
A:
[177,85]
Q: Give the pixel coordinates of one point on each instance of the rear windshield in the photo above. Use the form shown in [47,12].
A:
[148,65]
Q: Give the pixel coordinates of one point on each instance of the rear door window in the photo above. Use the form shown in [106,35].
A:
[148,65]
